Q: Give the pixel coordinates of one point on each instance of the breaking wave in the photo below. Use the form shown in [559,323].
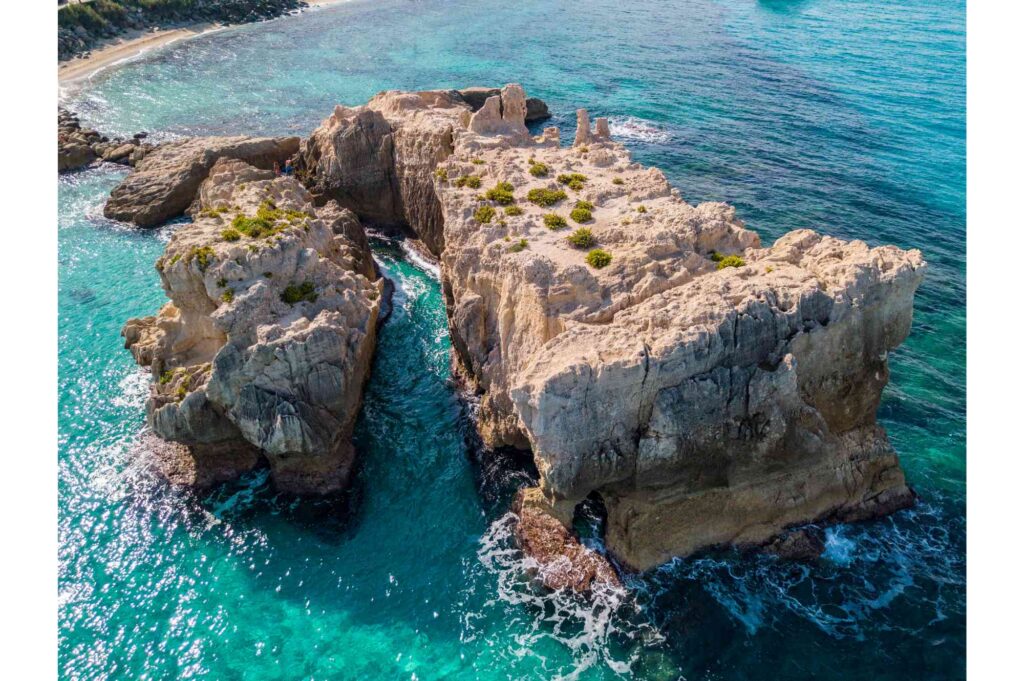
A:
[631,129]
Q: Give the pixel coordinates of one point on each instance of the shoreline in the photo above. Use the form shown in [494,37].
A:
[133,44]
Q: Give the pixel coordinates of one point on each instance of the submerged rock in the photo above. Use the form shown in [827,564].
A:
[264,348]
[166,180]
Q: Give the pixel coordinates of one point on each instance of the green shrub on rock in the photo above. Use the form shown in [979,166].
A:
[582,238]
[519,246]
[598,258]
[554,221]
[539,169]
[716,256]
[512,211]
[231,235]
[471,181]
[227,296]
[483,214]
[617,180]
[545,197]
[501,193]
[203,257]
[581,215]
[296,294]
[574,181]
[731,261]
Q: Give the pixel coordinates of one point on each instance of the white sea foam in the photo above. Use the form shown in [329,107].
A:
[584,625]
[631,129]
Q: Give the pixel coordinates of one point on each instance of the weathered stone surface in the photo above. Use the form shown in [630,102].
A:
[379,159]
[800,545]
[563,562]
[78,147]
[475,97]
[706,406]
[267,340]
[583,134]
[166,180]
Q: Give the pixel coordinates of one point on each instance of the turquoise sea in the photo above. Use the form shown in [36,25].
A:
[846,116]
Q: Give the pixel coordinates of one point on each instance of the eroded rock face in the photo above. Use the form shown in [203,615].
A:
[379,159]
[707,404]
[165,182]
[266,343]
[563,562]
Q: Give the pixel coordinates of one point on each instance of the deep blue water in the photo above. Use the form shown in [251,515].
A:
[843,116]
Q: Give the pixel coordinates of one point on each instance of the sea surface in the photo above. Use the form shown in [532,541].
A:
[845,116]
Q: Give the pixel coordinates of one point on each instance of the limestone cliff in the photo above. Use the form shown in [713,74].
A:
[165,182]
[711,390]
[265,345]
[379,159]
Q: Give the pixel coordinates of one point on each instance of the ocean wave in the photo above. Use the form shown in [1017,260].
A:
[590,627]
[631,129]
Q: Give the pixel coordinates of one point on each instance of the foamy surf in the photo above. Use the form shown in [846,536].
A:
[631,129]
[590,627]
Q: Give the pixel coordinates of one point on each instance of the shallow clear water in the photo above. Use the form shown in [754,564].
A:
[839,115]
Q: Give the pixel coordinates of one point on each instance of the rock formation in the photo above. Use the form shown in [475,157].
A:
[563,562]
[164,183]
[265,345]
[379,159]
[711,390]
[78,147]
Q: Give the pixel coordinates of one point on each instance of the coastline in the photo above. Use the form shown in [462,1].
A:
[132,44]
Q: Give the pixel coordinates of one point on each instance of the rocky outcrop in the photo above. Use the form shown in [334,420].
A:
[379,159]
[476,97]
[78,147]
[562,561]
[265,345]
[711,390]
[805,545]
[165,182]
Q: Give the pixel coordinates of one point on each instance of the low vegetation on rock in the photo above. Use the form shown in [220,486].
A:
[598,258]
[574,181]
[582,238]
[545,197]
[471,181]
[484,214]
[731,261]
[554,221]
[293,294]
[202,255]
[539,169]
[231,235]
[512,211]
[581,214]
[501,193]
[519,246]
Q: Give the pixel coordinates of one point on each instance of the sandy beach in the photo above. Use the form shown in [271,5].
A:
[134,43]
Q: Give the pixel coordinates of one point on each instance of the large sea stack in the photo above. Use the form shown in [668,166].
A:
[266,343]
[710,389]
